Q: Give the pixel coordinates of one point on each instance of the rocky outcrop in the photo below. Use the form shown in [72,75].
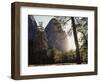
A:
[37,43]
[32,27]
[57,38]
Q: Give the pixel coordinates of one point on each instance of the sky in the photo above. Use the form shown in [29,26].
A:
[44,19]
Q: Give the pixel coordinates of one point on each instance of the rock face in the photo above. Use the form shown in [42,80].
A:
[57,38]
[37,43]
[32,27]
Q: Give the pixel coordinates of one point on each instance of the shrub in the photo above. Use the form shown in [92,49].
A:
[71,56]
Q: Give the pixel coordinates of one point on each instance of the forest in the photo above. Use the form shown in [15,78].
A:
[47,46]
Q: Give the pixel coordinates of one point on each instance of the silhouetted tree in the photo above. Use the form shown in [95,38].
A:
[78,57]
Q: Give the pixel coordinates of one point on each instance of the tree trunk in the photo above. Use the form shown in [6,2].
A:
[78,57]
